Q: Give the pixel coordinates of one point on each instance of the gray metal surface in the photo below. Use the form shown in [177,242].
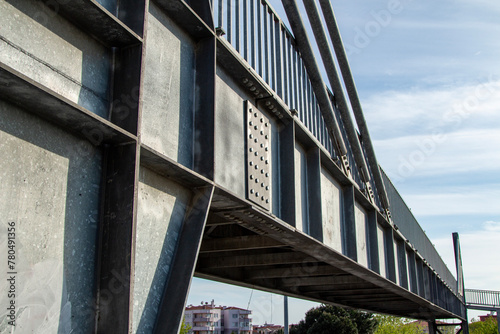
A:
[408,225]
[258,153]
[175,122]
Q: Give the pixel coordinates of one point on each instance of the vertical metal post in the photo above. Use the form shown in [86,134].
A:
[229,21]
[498,322]
[272,41]
[287,173]
[391,264]
[252,34]
[266,44]
[314,193]
[279,57]
[237,32]
[372,242]
[260,57]
[285,306]
[349,224]
[204,109]
[245,30]
[221,13]
[432,327]
[116,240]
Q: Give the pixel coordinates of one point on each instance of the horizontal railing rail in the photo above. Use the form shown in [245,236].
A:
[482,298]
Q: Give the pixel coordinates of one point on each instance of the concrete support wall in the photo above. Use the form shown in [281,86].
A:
[331,210]
[118,128]
[230,135]
[168,93]
[50,190]
[161,209]
[301,204]
[382,250]
[361,244]
[37,42]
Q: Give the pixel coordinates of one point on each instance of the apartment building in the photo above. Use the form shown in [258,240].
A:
[210,319]
[237,321]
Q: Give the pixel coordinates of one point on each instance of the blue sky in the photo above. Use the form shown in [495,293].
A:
[428,77]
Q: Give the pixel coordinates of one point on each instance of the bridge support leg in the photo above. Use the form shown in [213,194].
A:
[498,320]
[433,329]
[176,288]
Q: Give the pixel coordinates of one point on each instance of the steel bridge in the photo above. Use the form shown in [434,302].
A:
[150,141]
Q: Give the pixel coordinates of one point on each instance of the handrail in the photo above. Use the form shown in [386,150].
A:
[483,298]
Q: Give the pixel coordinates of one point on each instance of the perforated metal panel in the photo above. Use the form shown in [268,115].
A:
[258,157]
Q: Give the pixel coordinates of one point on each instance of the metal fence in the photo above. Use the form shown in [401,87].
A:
[412,230]
[254,29]
[483,298]
[256,32]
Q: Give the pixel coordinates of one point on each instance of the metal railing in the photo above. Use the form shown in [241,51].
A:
[257,33]
[411,229]
[254,29]
[483,298]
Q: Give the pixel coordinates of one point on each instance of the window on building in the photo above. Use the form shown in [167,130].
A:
[235,316]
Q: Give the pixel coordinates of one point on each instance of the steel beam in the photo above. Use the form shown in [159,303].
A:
[317,83]
[333,77]
[287,173]
[204,108]
[294,271]
[176,287]
[231,261]
[348,227]
[238,243]
[338,46]
[314,193]
[116,238]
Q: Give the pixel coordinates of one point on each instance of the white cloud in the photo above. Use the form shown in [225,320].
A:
[457,201]
[394,114]
[440,153]
[480,249]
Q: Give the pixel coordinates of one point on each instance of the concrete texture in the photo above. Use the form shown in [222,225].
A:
[229,135]
[50,50]
[301,207]
[161,207]
[168,93]
[50,189]
[361,221]
[381,250]
[331,208]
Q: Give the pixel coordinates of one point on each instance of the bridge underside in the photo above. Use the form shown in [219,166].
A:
[244,245]
[134,166]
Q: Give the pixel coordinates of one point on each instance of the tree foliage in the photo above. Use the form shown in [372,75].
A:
[395,325]
[489,326]
[327,319]
[184,328]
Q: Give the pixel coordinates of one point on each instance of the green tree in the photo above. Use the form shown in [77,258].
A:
[395,325]
[489,326]
[327,319]
[184,328]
